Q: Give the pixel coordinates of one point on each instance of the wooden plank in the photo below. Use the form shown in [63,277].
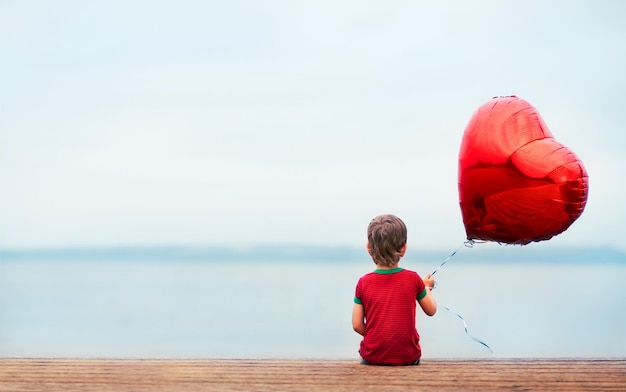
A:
[49,374]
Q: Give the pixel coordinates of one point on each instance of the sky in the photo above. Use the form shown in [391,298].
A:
[253,122]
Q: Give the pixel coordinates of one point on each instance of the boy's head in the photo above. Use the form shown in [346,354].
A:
[386,239]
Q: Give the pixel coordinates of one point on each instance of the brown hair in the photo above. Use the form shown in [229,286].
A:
[386,235]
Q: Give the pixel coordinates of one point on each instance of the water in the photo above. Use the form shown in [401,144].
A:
[260,309]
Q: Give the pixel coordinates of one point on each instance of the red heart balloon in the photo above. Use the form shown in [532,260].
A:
[516,183]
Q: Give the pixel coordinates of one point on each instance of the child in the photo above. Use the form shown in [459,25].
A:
[385,300]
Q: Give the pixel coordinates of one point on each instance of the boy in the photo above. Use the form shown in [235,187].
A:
[385,300]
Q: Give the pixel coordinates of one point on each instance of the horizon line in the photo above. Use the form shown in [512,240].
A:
[295,252]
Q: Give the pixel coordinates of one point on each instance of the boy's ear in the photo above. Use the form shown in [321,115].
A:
[367,246]
[403,251]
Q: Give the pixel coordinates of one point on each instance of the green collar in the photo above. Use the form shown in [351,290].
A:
[388,271]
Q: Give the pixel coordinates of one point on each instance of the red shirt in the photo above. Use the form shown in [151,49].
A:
[389,301]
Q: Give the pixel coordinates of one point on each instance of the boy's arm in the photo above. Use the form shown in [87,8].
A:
[358,319]
[427,303]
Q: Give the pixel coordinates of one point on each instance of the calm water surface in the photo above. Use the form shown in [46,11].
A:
[299,310]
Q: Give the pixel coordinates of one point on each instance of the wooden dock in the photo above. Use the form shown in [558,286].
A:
[39,374]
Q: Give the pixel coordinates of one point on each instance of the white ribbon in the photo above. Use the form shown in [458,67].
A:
[467,244]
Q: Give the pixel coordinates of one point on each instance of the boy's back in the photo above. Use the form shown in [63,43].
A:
[389,300]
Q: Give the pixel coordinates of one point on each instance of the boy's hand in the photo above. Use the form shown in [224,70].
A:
[429,281]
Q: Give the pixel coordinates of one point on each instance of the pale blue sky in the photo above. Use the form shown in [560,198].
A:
[246,122]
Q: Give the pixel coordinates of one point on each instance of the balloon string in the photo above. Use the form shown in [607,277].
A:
[467,244]
[493,355]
